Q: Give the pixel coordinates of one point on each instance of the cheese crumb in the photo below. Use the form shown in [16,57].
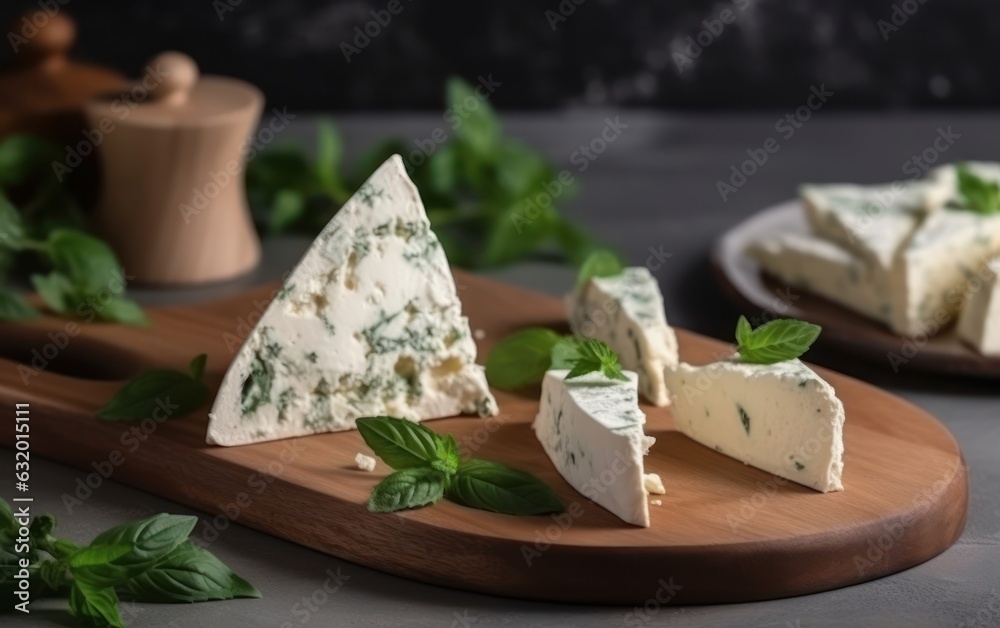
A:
[365,463]
[479,334]
[655,502]
[653,484]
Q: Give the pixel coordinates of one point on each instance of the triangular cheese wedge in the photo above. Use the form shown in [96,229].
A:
[781,418]
[368,323]
[591,428]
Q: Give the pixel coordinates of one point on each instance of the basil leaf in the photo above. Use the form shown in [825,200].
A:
[498,488]
[55,289]
[94,605]
[121,310]
[94,555]
[521,358]
[197,366]
[13,307]
[595,356]
[189,574]
[329,153]
[409,488]
[172,393]
[599,264]
[976,193]
[54,575]
[515,232]
[401,444]
[11,225]
[443,171]
[25,158]
[149,541]
[575,242]
[775,341]
[476,125]
[566,352]
[743,330]
[447,455]
[89,264]
[7,521]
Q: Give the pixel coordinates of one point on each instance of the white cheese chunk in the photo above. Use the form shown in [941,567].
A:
[979,322]
[653,484]
[873,221]
[626,312]
[826,269]
[932,272]
[365,463]
[368,323]
[781,418]
[591,429]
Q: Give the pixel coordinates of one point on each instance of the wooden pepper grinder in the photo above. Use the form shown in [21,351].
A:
[173,203]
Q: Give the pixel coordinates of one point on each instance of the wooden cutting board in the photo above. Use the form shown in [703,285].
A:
[725,532]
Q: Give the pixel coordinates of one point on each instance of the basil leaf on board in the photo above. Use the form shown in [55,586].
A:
[775,341]
[976,193]
[89,264]
[13,307]
[447,455]
[55,289]
[189,574]
[121,310]
[409,488]
[498,488]
[161,390]
[149,541]
[95,606]
[599,264]
[521,358]
[401,444]
[595,356]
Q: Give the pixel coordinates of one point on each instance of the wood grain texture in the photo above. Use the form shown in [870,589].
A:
[725,532]
[743,280]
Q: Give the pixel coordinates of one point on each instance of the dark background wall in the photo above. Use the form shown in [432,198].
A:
[873,53]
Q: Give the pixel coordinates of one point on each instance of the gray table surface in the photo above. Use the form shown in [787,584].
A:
[655,186]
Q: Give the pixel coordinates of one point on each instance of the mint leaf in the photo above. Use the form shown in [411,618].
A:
[189,574]
[595,356]
[148,540]
[401,444]
[498,488]
[159,391]
[13,307]
[521,358]
[409,488]
[447,455]
[94,605]
[599,264]
[774,341]
[566,352]
[976,193]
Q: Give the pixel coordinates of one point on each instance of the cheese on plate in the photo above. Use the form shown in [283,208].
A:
[625,312]
[781,418]
[591,428]
[979,322]
[368,323]
[826,269]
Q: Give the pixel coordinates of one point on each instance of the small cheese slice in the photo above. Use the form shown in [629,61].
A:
[979,322]
[826,269]
[625,311]
[781,418]
[368,323]
[873,221]
[932,273]
[591,429]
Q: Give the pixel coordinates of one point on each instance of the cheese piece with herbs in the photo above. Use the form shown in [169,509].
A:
[948,184]
[591,428]
[826,269]
[368,323]
[979,322]
[625,311]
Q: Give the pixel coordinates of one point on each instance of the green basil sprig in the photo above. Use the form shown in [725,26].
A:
[429,467]
[176,394]
[522,358]
[975,193]
[774,341]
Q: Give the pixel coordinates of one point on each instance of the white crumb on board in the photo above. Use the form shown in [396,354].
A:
[655,502]
[479,334]
[365,463]
[653,484]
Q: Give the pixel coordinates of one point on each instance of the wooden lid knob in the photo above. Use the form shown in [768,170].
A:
[178,75]
[45,37]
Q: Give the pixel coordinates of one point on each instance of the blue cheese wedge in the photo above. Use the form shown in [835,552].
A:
[933,271]
[826,269]
[979,322]
[626,312]
[591,429]
[781,418]
[368,323]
